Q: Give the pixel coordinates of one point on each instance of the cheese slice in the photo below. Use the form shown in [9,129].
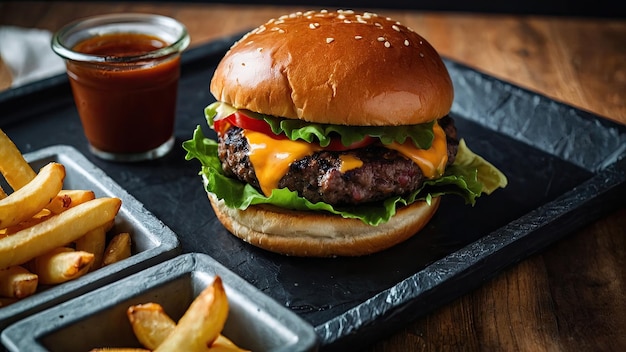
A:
[349,162]
[272,157]
[431,161]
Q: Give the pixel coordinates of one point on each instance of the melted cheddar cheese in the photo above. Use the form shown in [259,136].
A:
[431,161]
[271,157]
[349,162]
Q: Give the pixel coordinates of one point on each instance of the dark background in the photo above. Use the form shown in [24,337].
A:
[598,8]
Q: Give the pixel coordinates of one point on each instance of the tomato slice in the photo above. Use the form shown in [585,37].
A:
[240,119]
[336,145]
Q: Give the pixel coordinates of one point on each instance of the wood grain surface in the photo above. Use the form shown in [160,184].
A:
[572,296]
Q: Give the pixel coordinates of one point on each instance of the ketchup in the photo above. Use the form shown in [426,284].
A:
[125,107]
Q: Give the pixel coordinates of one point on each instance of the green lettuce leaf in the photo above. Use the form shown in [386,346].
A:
[463,179]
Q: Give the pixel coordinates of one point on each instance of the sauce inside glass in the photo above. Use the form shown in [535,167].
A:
[125,107]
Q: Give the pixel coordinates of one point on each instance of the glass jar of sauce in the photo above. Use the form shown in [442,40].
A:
[124,71]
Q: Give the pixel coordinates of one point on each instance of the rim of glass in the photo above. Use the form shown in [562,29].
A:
[177,46]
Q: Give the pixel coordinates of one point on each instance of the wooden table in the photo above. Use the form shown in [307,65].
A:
[571,297]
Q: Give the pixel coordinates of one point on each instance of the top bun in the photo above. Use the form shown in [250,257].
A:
[338,68]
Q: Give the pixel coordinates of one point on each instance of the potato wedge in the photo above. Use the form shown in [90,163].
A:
[223,344]
[17,282]
[117,249]
[60,265]
[32,197]
[57,231]
[150,324]
[202,323]
[13,166]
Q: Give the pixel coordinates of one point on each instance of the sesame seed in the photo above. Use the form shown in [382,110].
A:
[395,28]
[387,44]
[421,54]
[358,37]
[341,17]
[347,21]
[381,39]
[378,25]
[314,25]
[281,31]
[329,40]
[406,42]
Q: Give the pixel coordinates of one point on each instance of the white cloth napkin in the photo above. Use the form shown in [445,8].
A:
[27,53]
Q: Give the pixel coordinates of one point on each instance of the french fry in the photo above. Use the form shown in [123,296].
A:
[60,265]
[32,197]
[57,231]
[66,199]
[202,323]
[17,282]
[94,242]
[13,166]
[37,218]
[117,249]
[150,324]
[119,349]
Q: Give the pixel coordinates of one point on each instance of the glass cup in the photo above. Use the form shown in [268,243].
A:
[124,71]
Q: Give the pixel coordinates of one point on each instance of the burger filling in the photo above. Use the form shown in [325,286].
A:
[359,172]
[354,176]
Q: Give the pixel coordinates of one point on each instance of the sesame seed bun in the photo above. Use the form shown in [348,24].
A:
[338,68]
[317,234]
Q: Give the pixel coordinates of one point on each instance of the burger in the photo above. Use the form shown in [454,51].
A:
[333,136]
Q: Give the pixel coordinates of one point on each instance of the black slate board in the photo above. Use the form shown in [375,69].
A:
[566,168]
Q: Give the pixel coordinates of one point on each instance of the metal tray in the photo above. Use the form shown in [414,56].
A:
[152,241]
[255,321]
[566,167]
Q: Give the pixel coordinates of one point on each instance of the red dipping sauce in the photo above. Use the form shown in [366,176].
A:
[126,106]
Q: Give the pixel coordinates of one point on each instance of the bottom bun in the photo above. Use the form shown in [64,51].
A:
[317,234]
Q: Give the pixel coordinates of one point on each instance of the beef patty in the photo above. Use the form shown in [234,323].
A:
[318,178]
